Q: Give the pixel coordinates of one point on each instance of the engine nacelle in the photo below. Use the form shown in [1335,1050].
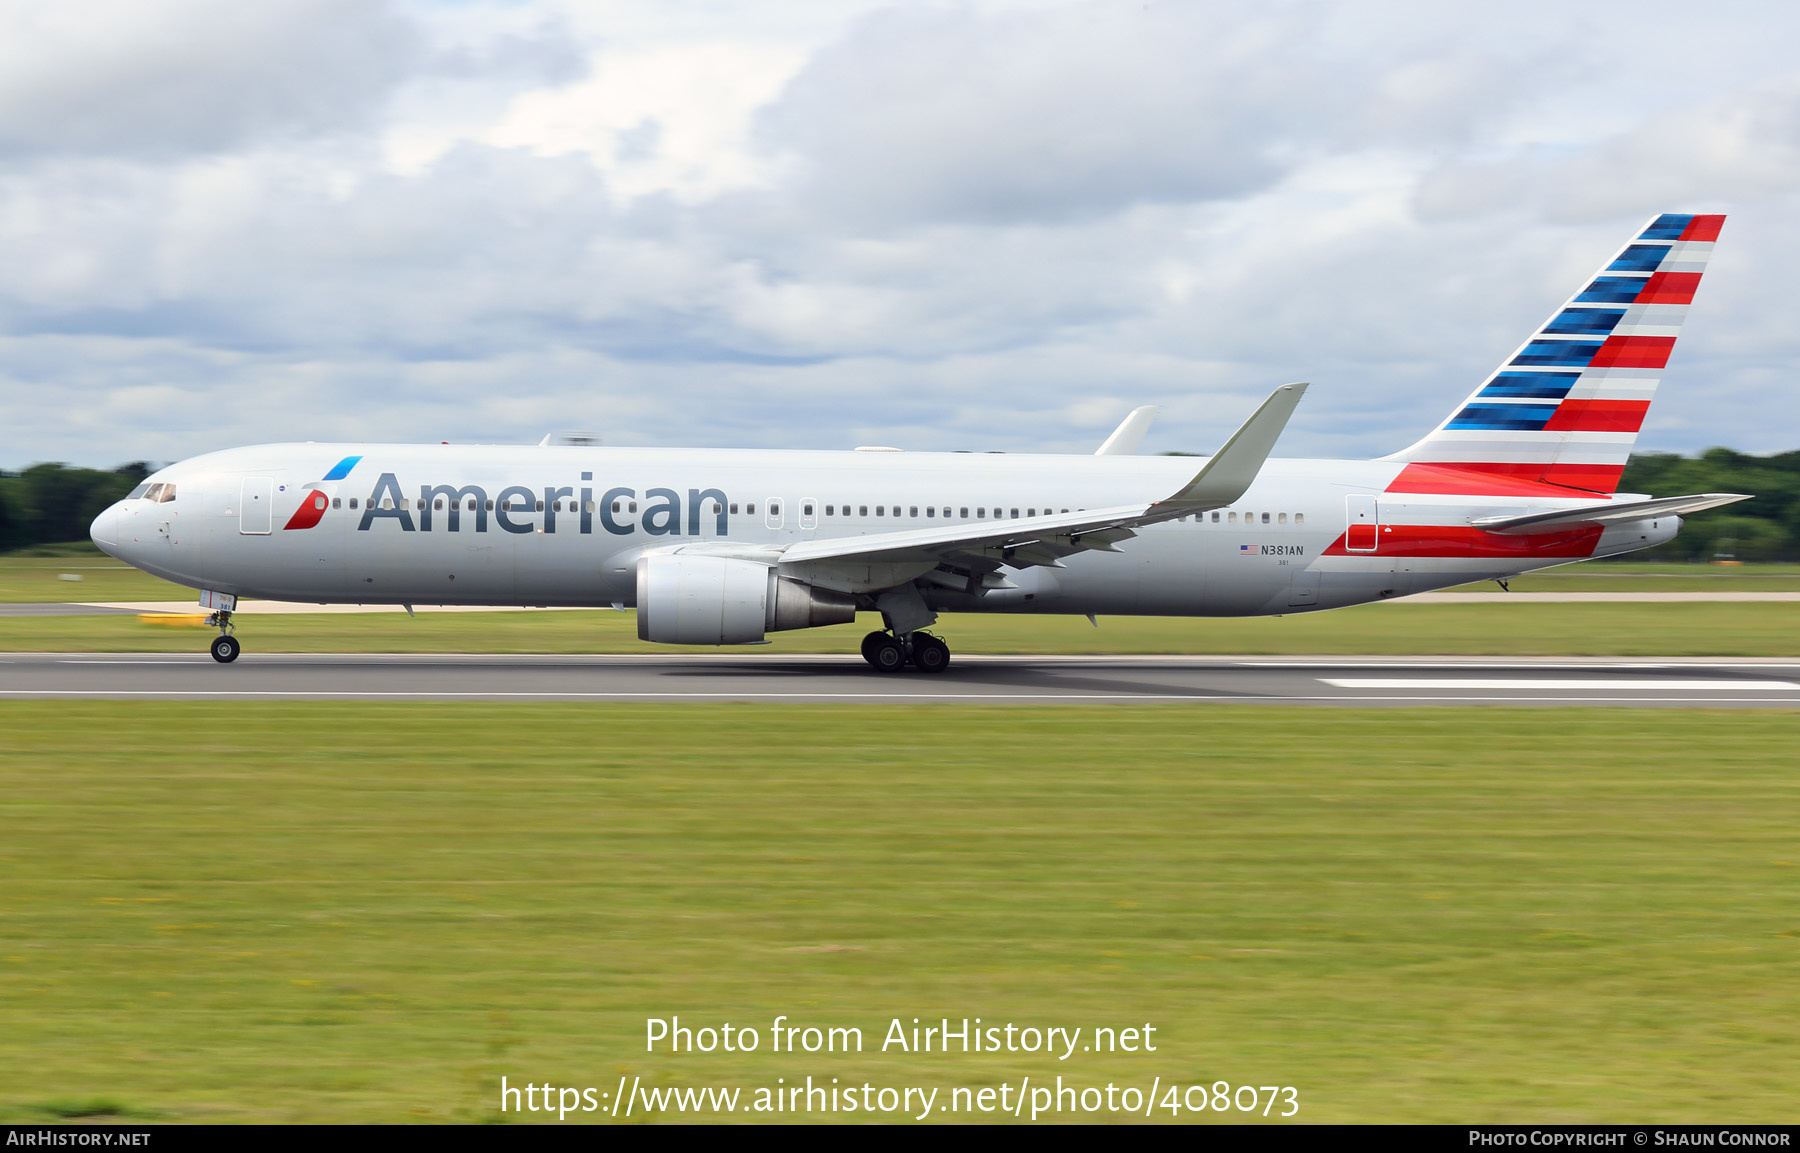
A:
[711,600]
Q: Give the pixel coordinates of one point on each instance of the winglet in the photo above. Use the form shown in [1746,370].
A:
[1233,468]
[1130,434]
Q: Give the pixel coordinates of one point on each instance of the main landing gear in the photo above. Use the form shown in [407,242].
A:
[887,653]
[225,647]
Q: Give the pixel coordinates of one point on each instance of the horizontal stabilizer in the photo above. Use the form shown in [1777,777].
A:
[1130,434]
[1610,512]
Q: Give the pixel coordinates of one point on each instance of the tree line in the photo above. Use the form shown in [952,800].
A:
[53,503]
[1764,529]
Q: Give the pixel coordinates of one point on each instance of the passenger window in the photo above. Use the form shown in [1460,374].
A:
[1282,519]
[438,504]
[929,511]
[806,510]
[1015,514]
[489,504]
[733,508]
[421,504]
[913,511]
[1232,517]
[589,507]
[1265,518]
[137,492]
[1029,512]
[471,503]
[1065,510]
[1299,518]
[862,510]
[831,510]
[1215,518]
[337,502]
[965,514]
[387,503]
[750,509]
[629,507]
[880,510]
[539,508]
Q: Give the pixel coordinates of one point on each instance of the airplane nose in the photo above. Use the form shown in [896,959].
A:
[105,529]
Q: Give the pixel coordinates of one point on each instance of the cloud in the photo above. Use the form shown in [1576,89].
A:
[186,76]
[948,226]
[1745,145]
[946,114]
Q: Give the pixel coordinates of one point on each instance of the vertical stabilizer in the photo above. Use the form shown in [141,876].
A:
[1565,409]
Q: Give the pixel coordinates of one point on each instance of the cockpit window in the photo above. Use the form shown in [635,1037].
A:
[137,492]
[155,492]
[168,493]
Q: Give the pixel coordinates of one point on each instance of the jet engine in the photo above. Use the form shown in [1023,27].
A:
[710,600]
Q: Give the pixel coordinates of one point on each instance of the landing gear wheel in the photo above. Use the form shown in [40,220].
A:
[868,645]
[225,649]
[886,655]
[930,654]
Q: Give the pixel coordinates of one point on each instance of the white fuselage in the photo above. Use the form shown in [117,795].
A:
[431,525]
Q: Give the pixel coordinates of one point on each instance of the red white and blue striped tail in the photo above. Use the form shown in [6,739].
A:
[1565,409]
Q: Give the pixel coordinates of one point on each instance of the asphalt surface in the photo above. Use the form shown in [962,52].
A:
[1329,681]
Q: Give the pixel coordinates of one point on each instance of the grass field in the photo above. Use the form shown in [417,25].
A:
[1688,629]
[372,913]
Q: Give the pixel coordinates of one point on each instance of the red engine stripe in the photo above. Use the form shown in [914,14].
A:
[1669,288]
[1634,352]
[312,507]
[1703,228]
[1506,478]
[1598,416]
[1432,540]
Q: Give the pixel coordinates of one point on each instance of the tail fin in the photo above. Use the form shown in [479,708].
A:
[1565,409]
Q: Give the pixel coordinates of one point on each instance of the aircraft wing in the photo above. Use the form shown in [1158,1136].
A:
[1130,434]
[1044,540]
[1607,512]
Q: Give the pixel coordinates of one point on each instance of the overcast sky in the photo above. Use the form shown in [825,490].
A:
[811,224]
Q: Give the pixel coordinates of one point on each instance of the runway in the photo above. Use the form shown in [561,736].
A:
[1319,681]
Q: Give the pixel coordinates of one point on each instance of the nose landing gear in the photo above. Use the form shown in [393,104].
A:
[887,653]
[225,647]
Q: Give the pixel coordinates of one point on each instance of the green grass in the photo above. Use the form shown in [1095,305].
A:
[371,913]
[1696,629]
[38,576]
[1630,576]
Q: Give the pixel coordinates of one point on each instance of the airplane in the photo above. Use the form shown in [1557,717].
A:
[722,547]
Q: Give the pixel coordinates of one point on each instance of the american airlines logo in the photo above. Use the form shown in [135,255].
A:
[518,509]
